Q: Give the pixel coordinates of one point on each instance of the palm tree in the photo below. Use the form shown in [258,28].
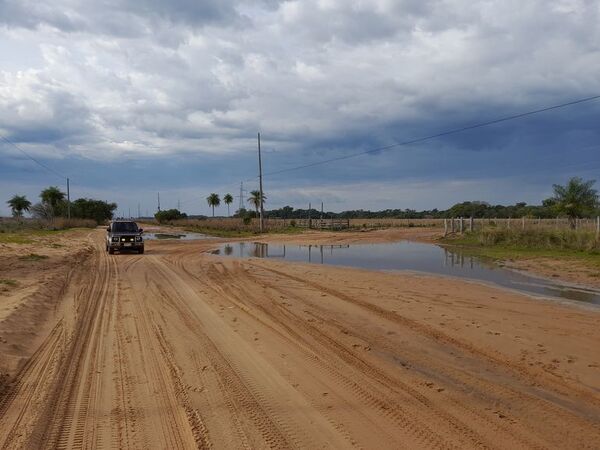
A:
[213,200]
[18,204]
[228,200]
[575,199]
[255,200]
[52,196]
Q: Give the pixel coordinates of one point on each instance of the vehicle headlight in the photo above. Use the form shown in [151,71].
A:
[115,239]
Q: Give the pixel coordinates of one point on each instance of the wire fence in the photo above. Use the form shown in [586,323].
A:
[447,225]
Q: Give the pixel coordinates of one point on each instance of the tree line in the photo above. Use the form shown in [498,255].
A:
[577,199]
[53,203]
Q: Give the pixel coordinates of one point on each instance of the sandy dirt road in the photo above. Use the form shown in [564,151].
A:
[179,349]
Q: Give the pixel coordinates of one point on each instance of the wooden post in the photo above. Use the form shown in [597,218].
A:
[471,224]
[452,225]
[597,227]
[445,227]
[309,225]
[508,224]
[523,223]
[461,224]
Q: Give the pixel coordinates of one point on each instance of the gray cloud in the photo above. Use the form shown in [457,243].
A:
[117,17]
[320,78]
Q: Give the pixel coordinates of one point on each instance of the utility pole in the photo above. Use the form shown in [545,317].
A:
[262,212]
[139,215]
[68,200]
[158,201]
[129,217]
[178,205]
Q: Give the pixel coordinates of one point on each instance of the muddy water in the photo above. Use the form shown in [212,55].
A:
[412,256]
[175,236]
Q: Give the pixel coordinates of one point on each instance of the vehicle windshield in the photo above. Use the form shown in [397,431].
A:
[125,227]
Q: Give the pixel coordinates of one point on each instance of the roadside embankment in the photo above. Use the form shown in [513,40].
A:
[569,255]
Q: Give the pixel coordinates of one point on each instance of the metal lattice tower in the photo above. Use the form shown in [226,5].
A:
[242,190]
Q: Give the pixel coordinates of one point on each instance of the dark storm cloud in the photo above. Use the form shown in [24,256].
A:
[126,18]
[191,82]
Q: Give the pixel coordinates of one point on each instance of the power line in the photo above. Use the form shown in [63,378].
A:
[434,136]
[421,139]
[39,163]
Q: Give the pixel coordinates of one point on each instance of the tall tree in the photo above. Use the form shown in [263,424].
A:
[255,200]
[18,204]
[213,200]
[228,200]
[53,196]
[577,198]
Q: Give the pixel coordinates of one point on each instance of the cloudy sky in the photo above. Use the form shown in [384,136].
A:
[132,97]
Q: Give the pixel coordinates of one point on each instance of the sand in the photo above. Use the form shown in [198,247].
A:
[178,348]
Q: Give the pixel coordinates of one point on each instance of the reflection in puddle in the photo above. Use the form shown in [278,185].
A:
[175,236]
[413,256]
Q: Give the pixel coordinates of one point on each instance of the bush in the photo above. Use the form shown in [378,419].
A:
[97,210]
[169,215]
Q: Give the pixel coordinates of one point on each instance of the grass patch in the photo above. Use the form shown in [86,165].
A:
[527,244]
[216,232]
[26,235]
[33,257]
[7,282]
[14,226]
[15,238]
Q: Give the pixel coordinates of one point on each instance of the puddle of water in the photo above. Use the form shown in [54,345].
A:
[412,256]
[175,236]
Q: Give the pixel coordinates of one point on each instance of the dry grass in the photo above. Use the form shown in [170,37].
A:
[234,226]
[27,225]
[582,241]
[393,223]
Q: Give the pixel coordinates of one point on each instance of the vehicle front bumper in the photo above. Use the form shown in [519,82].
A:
[126,245]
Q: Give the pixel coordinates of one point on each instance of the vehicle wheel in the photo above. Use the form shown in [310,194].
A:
[111,251]
[141,250]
